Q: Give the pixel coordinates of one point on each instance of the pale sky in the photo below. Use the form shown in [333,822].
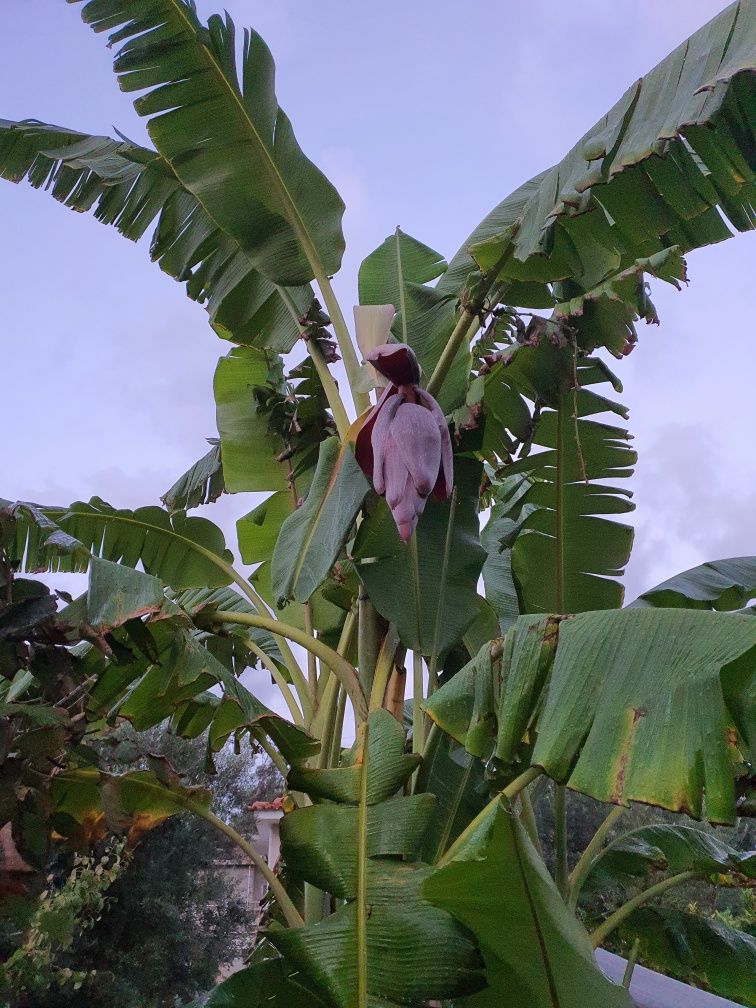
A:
[423,115]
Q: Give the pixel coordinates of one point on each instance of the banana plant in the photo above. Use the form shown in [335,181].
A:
[478,446]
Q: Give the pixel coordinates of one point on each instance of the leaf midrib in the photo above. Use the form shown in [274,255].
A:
[400,275]
[542,943]
[361,887]
[444,570]
[559,515]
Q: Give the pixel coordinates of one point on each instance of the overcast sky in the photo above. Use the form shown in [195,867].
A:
[423,115]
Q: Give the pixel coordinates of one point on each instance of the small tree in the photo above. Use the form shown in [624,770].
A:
[413,870]
[153,927]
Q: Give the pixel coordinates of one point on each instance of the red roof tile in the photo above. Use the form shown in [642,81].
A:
[268,806]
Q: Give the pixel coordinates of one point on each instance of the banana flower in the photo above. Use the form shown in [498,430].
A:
[404,446]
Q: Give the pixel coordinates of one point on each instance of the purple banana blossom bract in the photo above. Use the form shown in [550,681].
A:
[404,446]
[397,362]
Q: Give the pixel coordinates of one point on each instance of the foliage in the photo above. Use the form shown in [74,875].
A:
[60,917]
[586,687]
[169,919]
[414,869]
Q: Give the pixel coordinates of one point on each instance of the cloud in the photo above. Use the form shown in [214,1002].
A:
[691,508]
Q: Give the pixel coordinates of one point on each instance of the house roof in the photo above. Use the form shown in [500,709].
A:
[268,806]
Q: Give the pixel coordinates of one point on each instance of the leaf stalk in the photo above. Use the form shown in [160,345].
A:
[603,931]
[588,858]
[336,662]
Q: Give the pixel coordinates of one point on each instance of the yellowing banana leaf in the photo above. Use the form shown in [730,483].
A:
[651,705]
[89,802]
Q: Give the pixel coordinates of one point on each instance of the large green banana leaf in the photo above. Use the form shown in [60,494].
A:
[257,531]
[201,605]
[698,950]
[457,782]
[536,953]
[720,584]
[312,537]
[201,484]
[270,427]
[663,167]
[665,847]
[428,588]
[651,705]
[398,272]
[267,984]
[179,678]
[387,945]
[224,134]
[183,552]
[496,538]
[132,187]
[566,552]
[257,534]
[117,594]
[249,446]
